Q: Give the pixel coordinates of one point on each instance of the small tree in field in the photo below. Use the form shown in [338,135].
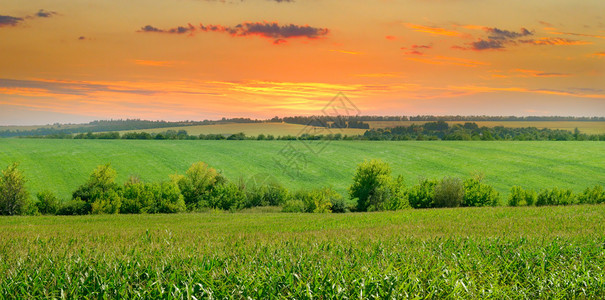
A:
[13,195]
[372,178]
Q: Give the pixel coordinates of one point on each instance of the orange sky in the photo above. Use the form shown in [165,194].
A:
[73,61]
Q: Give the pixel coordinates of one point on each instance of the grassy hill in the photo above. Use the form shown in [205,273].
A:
[62,165]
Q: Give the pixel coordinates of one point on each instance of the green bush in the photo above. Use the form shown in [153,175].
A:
[596,195]
[370,184]
[228,196]
[477,193]
[270,194]
[294,206]
[518,196]
[422,194]
[396,197]
[48,203]
[318,200]
[555,196]
[449,192]
[14,198]
[162,197]
[74,207]
[339,205]
[170,199]
[197,184]
[101,191]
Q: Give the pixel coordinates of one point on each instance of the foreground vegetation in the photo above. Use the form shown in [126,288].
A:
[531,253]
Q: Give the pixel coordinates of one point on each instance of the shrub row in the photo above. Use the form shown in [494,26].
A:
[202,188]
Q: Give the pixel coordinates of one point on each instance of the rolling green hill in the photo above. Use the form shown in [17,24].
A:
[62,165]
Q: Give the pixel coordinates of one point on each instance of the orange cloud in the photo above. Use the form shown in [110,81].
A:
[553,31]
[379,75]
[534,73]
[153,63]
[600,54]
[346,52]
[555,42]
[433,30]
[446,60]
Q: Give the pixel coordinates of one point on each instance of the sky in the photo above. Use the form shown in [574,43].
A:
[76,61]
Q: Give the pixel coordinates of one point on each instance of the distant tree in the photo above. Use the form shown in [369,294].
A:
[14,198]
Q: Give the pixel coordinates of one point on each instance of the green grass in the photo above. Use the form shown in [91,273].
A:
[62,165]
[498,253]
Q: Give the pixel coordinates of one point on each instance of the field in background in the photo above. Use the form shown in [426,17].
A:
[62,165]
[254,129]
[584,127]
[546,252]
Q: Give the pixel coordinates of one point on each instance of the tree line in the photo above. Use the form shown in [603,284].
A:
[439,130]
[202,188]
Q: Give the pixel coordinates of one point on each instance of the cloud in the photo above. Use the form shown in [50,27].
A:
[497,39]
[578,34]
[177,30]
[433,30]
[154,63]
[9,21]
[346,52]
[499,34]
[487,44]
[554,41]
[447,60]
[599,54]
[271,30]
[416,49]
[390,37]
[6,21]
[45,14]
[535,73]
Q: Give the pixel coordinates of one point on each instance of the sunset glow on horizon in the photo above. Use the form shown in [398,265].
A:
[76,61]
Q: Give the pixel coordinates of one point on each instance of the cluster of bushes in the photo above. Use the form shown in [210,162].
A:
[375,189]
[202,188]
[555,196]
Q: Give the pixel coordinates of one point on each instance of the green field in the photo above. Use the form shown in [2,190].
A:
[498,253]
[62,165]
[584,126]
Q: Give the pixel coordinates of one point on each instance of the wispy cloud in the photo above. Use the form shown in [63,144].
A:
[447,60]
[433,30]
[497,39]
[346,52]
[154,63]
[554,41]
[271,30]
